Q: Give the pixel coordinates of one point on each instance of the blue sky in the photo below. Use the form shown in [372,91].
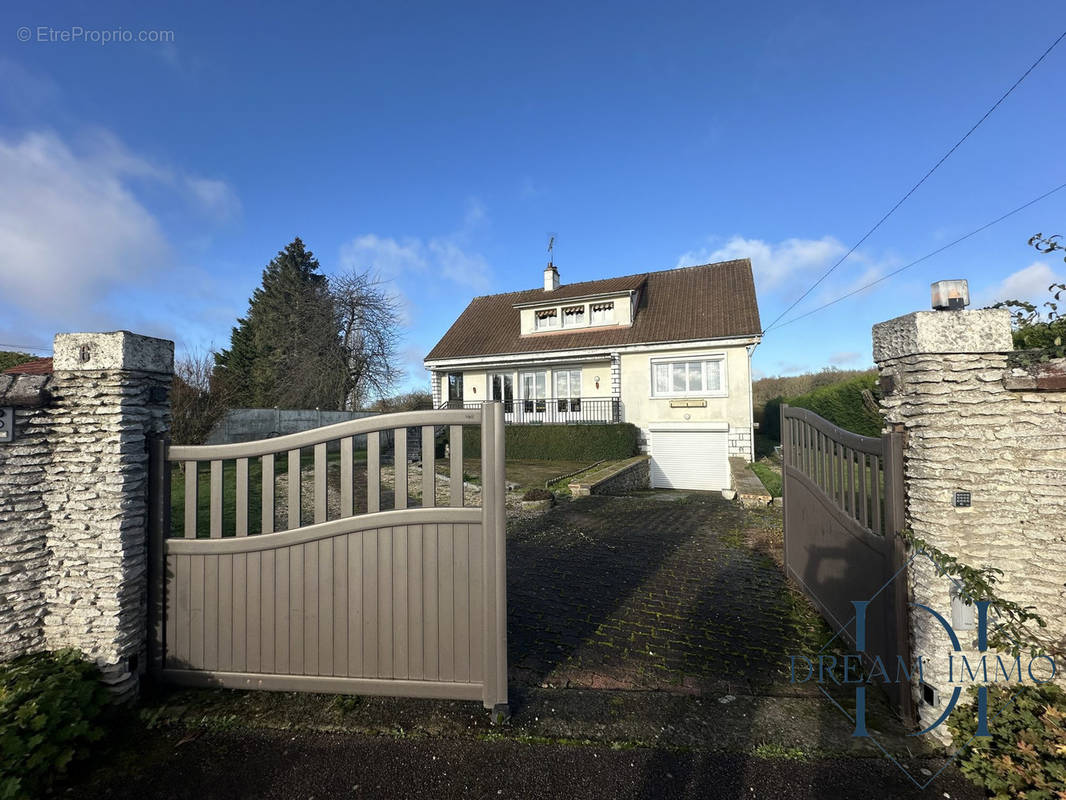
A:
[145,185]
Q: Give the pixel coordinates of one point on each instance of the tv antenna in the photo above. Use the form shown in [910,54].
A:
[551,249]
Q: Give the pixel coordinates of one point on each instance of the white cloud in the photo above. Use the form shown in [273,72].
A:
[69,228]
[849,357]
[774,264]
[450,256]
[73,227]
[1030,284]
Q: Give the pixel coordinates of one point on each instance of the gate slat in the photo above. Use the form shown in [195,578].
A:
[216,500]
[325,607]
[183,607]
[399,467]
[461,575]
[455,445]
[429,600]
[268,587]
[355,605]
[170,594]
[267,521]
[446,602]
[255,612]
[191,497]
[310,621]
[240,612]
[225,612]
[838,457]
[210,612]
[400,666]
[429,467]
[241,501]
[294,489]
[320,482]
[296,610]
[340,605]
[416,635]
[864,500]
[370,604]
[282,611]
[347,480]
[477,606]
[384,569]
[875,479]
[196,613]
[852,511]
[373,473]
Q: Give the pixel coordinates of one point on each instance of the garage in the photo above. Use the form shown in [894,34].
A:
[692,455]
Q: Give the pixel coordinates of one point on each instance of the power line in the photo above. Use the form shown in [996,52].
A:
[927,256]
[914,188]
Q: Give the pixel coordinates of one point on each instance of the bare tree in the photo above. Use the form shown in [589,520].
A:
[197,400]
[369,318]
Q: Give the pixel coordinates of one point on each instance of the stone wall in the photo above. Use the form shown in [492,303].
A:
[252,424]
[740,443]
[24,522]
[969,428]
[84,453]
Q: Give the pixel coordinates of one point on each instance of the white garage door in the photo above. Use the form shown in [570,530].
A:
[693,457]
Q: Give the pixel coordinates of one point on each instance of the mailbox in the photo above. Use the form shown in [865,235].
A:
[7,425]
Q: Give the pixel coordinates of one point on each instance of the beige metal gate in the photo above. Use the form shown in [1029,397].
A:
[844,510]
[346,596]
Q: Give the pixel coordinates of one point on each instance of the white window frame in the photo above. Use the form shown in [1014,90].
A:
[538,320]
[611,314]
[719,358]
[584,315]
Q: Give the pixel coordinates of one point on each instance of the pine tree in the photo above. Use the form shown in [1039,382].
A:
[286,351]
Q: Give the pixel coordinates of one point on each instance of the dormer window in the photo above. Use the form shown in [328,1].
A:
[574,316]
[602,313]
[547,319]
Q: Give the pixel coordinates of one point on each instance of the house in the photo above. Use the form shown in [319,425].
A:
[668,351]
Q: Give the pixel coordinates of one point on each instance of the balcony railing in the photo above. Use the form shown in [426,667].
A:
[554,410]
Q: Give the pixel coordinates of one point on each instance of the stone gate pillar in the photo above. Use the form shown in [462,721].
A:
[109,392]
[984,472]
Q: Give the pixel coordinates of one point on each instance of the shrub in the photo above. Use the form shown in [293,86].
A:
[586,443]
[537,493]
[1026,756]
[50,707]
[844,405]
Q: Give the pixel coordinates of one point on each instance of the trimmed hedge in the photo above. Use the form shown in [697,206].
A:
[840,403]
[561,442]
[843,405]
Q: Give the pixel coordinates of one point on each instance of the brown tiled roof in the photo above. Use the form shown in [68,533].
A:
[712,301]
[39,366]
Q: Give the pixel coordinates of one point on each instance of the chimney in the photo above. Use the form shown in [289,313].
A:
[551,278]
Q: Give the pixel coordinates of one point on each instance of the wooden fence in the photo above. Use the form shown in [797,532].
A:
[344,596]
[844,510]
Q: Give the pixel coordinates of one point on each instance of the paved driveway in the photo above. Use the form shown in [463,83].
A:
[657,591]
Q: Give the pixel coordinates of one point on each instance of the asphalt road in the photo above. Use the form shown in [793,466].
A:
[312,766]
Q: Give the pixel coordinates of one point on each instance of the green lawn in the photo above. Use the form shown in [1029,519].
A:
[229,491]
[770,479]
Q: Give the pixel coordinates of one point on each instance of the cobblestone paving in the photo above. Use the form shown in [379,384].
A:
[657,591]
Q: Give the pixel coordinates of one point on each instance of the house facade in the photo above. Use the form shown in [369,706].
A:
[668,351]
